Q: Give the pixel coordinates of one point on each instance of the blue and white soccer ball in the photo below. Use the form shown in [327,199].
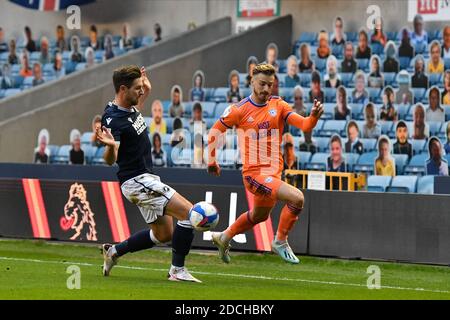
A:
[203,216]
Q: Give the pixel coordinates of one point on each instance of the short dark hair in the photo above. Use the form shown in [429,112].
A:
[156,135]
[432,139]
[197,106]
[336,138]
[93,28]
[352,124]
[59,27]
[264,68]
[125,76]
[315,77]
[401,124]
[27,29]
[177,124]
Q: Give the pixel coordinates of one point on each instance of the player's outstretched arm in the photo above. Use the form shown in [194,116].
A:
[306,124]
[147,89]
[105,136]
[213,137]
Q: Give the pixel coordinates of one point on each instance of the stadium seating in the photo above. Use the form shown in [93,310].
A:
[366,162]
[425,185]
[378,183]
[417,164]
[318,162]
[405,184]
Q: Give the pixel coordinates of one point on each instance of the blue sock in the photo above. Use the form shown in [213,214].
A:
[138,241]
[181,244]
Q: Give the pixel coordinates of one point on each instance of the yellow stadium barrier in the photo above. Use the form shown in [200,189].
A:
[340,181]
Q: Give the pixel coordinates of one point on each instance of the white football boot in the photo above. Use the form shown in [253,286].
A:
[109,259]
[181,274]
[219,239]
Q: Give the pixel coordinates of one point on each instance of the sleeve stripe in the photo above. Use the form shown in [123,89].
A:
[225,124]
[289,113]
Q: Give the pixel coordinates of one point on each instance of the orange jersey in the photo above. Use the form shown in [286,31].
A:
[260,129]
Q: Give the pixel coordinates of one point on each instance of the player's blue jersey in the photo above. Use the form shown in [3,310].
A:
[129,128]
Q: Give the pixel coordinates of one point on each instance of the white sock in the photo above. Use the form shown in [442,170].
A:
[112,251]
[153,237]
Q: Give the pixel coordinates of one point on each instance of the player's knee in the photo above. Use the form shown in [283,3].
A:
[163,237]
[299,200]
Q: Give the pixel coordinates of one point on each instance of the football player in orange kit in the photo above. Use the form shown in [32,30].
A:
[259,120]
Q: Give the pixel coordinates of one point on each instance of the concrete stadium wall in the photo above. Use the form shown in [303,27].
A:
[100,74]
[18,136]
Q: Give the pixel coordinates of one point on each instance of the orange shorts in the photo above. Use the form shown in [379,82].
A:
[264,188]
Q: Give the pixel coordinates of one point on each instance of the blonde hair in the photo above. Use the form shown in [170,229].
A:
[264,68]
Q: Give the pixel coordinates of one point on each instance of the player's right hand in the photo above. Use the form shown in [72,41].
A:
[317,109]
[214,169]
[105,136]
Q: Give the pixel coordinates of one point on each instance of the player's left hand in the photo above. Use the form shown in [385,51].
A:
[145,81]
[317,109]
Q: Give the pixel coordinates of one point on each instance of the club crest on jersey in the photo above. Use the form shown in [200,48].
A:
[268,180]
[273,112]
[108,121]
[250,119]
[131,120]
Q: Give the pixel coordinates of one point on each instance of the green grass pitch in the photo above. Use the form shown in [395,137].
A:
[38,270]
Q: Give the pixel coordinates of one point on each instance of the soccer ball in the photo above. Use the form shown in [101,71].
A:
[203,216]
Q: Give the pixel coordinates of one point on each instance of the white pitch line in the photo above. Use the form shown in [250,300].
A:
[246,276]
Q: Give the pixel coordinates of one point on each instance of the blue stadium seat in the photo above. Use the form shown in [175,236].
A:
[208,109]
[331,127]
[147,41]
[62,155]
[374,93]
[321,64]
[182,157]
[417,164]
[27,83]
[80,66]
[318,162]
[286,93]
[337,51]
[404,62]
[400,162]
[12,92]
[318,127]
[98,158]
[363,64]
[435,127]
[420,48]
[389,78]
[418,94]
[378,183]
[405,184]
[425,185]
[86,137]
[242,79]
[386,126]
[34,57]
[328,111]
[53,151]
[347,78]
[309,37]
[305,79]
[323,144]
[330,95]
[377,48]
[4,57]
[402,111]
[418,145]
[89,152]
[369,144]
[281,65]
[447,63]
[357,111]
[220,94]
[48,70]
[435,79]
[281,77]
[220,108]
[351,159]
[303,158]
[366,162]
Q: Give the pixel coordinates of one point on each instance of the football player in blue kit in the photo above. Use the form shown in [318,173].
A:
[126,138]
